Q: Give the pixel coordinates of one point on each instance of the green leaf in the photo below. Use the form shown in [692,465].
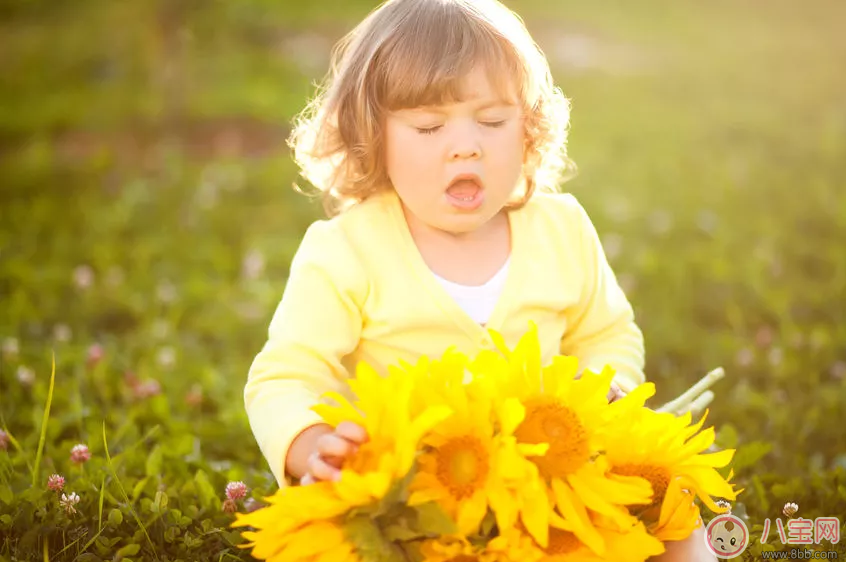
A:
[399,524]
[46,418]
[100,504]
[749,454]
[6,494]
[208,497]
[397,495]
[153,465]
[488,523]
[370,543]
[115,517]
[400,532]
[161,499]
[432,520]
[761,493]
[171,534]
[727,437]
[129,550]
[138,488]
[123,491]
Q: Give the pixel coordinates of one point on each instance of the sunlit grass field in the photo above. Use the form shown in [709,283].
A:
[148,221]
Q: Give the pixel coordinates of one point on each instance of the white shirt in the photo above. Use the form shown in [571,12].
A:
[477,301]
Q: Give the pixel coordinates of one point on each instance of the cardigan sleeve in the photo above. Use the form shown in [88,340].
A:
[317,322]
[601,326]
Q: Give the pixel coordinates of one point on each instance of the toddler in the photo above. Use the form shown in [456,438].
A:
[438,143]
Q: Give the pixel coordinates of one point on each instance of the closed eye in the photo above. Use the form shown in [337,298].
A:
[493,124]
[428,130]
[720,539]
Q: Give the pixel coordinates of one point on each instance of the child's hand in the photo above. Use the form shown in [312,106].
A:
[331,450]
[615,393]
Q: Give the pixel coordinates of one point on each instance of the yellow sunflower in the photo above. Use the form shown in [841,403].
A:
[383,407]
[471,461]
[668,452]
[567,412]
[284,510]
[634,544]
[510,547]
[289,540]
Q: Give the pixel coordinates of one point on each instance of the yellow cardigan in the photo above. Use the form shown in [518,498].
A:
[359,290]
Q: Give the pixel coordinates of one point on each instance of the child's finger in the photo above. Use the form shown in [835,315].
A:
[351,431]
[319,469]
[615,393]
[331,445]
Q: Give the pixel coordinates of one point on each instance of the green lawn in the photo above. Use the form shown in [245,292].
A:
[147,208]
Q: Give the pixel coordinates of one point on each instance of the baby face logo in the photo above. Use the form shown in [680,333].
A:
[727,536]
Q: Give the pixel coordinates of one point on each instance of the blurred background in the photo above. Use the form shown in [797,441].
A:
[148,222]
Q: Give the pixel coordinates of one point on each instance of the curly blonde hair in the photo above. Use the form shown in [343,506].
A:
[410,53]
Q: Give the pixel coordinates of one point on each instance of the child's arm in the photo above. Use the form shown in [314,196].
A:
[601,328]
[316,324]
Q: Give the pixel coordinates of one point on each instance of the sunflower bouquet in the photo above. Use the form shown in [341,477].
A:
[498,458]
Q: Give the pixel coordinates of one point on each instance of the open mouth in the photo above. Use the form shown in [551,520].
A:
[465,192]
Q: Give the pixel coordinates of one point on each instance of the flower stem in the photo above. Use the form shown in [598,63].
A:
[696,397]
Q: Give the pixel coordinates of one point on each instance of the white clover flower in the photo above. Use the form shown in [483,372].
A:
[790,509]
[253,265]
[166,357]
[68,502]
[62,333]
[723,504]
[10,348]
[26,376]
[745,357]
[83,277]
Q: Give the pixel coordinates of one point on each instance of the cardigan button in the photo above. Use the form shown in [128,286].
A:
[487,343]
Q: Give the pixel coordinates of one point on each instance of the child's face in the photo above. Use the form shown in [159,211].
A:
[428,147]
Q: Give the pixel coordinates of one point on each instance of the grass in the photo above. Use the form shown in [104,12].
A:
[147,209]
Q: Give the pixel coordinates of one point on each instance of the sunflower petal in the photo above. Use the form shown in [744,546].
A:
[535,513]
[574,513]
[594,492]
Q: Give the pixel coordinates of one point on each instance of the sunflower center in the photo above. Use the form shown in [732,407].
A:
[561,542]
[548,421]
[658,477]
[462,466]
[366,458]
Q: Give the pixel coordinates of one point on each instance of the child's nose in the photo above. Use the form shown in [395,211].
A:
[465,150]
[465,144]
